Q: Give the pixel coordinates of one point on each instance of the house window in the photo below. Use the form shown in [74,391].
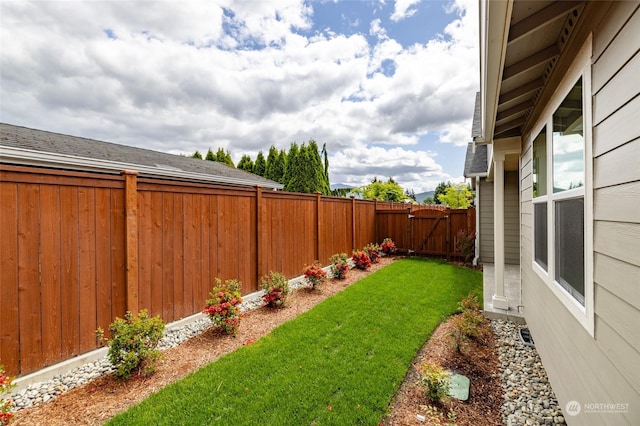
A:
[562,210]
[539,195]
[559,190]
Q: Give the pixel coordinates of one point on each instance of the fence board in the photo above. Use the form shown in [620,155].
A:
[9,325]
[50,273]
[31,356]
[178,257]
[87,268]
[118,258]
[70,273]
[168,255]
[156,283]
[103,258]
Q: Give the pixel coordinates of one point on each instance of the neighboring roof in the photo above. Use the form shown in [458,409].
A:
[476,127]
[475,163]
[21,145]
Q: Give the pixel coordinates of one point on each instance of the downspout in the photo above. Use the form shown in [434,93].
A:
[477,243]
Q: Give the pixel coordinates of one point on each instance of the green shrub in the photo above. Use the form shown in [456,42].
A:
[276,289]
[434,381]
[133,346]
[468,324]
[339,265]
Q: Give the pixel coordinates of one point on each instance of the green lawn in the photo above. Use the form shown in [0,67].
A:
[338,364]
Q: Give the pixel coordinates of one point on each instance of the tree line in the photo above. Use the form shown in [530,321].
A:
[305,169]
[302,169]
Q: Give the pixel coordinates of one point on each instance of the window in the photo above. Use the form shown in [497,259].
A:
[540,191]
[562,207]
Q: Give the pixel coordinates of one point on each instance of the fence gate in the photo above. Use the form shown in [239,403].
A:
[426,231]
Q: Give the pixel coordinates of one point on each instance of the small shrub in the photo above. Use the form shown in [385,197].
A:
[339,265]
[361,259]
[434,381]
[468,324]
[6,384]
[373,251]
[222,306]
[314,274]
[466,245]
[276,289]
[134,343]
[388,247]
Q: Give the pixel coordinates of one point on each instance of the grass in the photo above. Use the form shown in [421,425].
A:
[338,364]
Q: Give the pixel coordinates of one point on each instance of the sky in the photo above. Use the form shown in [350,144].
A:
[387,85]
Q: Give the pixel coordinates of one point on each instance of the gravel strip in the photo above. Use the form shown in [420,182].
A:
[528,397]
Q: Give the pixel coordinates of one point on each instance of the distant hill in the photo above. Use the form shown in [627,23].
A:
[342,186]
[421,196]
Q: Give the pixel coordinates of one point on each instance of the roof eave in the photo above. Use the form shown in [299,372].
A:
[495,17]
[28,157]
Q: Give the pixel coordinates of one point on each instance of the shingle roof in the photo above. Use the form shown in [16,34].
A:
[475,163]
[476,127]
[165,163]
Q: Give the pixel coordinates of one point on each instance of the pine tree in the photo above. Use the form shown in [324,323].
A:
[224,157]
[197,155]
[294,151]
[272,157]
[280,168]
[260,165]
[246,164]
[210,156]
[441,189]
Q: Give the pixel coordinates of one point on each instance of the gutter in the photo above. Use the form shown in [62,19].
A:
[29,157]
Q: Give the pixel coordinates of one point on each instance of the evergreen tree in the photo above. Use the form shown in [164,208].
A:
[260,165]
[272,157]
[197,155]
[210,156]
[306,172]
[246,164]
[326,165]
[280,167]
[224,157]
[294,150]
[441,189]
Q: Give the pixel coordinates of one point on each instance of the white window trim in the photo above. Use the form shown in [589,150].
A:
[580,67]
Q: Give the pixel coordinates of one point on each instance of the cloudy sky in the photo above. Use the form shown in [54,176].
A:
[387,85]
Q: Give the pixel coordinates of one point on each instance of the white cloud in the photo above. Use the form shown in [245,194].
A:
[181,76]
[403,9]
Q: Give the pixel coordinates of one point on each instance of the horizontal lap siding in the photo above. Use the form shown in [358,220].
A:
[602,368]
[486,222]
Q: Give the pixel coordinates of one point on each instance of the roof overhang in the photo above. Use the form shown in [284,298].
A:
[520,43]
[28,157]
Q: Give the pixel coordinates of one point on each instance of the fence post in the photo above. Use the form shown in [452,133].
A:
[131,238]
[260,238]
[353,222]
[318,208]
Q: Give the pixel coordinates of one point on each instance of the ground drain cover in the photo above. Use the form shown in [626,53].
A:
[459,386]
[525,336]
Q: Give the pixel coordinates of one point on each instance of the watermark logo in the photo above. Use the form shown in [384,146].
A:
[573,408]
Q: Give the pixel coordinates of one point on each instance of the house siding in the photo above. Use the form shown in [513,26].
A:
[602,368]
[486,221]
[511,215]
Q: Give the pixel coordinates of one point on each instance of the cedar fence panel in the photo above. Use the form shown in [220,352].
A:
[79,249]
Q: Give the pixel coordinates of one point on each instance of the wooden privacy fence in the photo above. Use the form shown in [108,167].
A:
[427,230]
[79,249]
